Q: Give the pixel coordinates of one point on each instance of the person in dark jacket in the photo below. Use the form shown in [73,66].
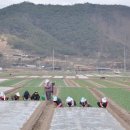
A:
[35,96]
[26,95]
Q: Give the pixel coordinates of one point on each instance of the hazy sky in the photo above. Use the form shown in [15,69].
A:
[4,3]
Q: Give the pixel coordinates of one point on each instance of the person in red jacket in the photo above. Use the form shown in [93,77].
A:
[103,102]
[3,97]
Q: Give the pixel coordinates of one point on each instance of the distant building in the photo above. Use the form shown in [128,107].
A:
[31,66]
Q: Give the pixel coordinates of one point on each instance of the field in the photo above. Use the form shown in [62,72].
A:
[114,87]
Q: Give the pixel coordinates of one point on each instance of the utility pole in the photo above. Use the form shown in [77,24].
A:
[53,58]
[125,57]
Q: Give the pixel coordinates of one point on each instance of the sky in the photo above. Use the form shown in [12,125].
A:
[4,3]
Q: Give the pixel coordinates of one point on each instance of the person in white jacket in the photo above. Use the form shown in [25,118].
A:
[70,102]
[84,102]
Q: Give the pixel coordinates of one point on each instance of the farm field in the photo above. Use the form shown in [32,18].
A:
[10,82]
[115,89]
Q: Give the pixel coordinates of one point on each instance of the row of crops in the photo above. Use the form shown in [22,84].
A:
[117,90]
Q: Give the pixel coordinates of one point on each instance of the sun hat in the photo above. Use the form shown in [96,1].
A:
[2,94]
[69,99]
[54,98]
[104,99]
[83,99]
[46,81]
[17,94]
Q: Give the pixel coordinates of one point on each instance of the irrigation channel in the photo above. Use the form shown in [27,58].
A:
[43,116]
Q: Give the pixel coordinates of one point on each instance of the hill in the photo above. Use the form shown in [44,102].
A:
[80,30]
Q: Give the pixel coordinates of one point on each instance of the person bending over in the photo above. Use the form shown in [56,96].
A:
[70,102]
[35,96]
[84,102]
[57,101]
[103,102]
[26,95]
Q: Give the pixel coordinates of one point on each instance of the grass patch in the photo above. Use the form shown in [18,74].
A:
[119,95]
[106,84]
[84,83]
[59,82]
[34,83]
[10,82]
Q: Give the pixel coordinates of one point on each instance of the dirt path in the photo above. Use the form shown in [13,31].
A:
[44,119]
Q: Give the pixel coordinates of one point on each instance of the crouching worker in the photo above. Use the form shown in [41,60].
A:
[16,96]
[70,102]
[84,102]
[57,101]
[26,95]
[3,97]
[35,96]
[103,102]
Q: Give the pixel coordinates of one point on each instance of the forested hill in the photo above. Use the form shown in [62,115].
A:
[81,30]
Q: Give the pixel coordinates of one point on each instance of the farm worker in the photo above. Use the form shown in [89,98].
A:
[35,96]
[26,95]
[103,102]
[2,96]
[70,101]
[83,102]
[48,87]
[57,101]
[16,96]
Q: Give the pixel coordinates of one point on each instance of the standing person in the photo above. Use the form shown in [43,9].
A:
[70,102]
[103,102]
[48,87]
[57,101]
[26,95]
[35,96]
[84,102]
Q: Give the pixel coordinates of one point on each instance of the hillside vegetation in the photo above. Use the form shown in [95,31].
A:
[80,30]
